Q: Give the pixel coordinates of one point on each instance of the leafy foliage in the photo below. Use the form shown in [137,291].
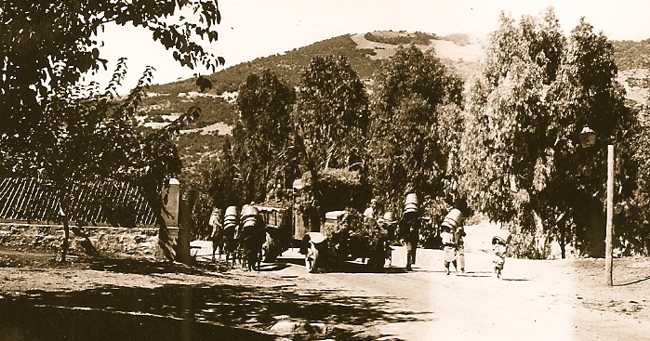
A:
[415,128]
[520,152]
[400,38]
[68,134]
[331,114]
[632,54]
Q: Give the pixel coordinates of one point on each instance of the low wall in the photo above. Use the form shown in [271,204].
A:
[137,241]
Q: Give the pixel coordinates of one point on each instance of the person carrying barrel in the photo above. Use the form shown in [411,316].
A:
[452,240]
[230,233]
[252,237]
[410,228]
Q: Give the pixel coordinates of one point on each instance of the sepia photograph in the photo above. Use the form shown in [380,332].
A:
[190,170]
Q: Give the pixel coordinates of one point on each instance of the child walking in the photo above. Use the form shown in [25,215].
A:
[448,247]
[499,246]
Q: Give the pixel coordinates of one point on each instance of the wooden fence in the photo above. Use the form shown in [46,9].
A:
[100,203]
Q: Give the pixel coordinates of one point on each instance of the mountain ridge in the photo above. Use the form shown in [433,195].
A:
[365,51]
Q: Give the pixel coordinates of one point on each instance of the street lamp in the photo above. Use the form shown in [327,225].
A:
[587,140]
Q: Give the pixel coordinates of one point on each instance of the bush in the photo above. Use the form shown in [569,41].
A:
[403,38]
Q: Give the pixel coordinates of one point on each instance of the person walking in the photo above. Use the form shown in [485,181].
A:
[217,234]
[410,229]
[449,248]
[459,241]
[388,225]
[499,247]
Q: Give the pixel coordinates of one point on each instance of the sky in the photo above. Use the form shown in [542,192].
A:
[258,28]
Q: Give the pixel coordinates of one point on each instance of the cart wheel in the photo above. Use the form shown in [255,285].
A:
[312,258]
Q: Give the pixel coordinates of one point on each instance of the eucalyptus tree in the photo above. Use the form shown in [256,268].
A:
[415,130]
[330,118]
[521,158]
[265,103]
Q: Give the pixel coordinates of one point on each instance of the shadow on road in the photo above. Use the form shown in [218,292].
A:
[640,280]
[184,312]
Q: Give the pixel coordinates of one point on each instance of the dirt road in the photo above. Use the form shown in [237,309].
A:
[536,300]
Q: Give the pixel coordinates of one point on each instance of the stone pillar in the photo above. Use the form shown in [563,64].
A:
[168,236]
[186,226]
[172,203]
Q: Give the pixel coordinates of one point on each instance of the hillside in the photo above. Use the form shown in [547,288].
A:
[365,51]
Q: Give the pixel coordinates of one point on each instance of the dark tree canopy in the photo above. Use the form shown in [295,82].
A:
[331,113]
[415,129]
[262,136]
[521,157]
[47,45]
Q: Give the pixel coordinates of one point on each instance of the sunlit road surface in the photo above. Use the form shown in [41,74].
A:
[535,300]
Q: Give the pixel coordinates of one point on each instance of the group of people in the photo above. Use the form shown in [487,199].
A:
[407,229]
[245,236]
[452,235]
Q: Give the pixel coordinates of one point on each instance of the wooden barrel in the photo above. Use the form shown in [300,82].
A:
[453,219]
[230,217]
[502,237]
[249,211]
[411,203]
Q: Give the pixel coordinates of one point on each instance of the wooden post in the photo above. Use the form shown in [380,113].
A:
[610,215]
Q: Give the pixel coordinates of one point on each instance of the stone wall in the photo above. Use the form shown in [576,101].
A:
[137,241]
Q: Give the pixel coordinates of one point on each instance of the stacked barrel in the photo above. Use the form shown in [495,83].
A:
[230,218]
[453,219]
[249,216]
[411,203]
[252,237]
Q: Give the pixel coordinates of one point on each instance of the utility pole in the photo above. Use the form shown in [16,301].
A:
[610,215]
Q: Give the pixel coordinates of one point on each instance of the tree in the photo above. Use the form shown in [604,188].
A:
[49,45]
[415,129]
[69,134]
[265,105]
[330,118]
[521,159]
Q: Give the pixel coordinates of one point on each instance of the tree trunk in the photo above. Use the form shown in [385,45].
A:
[165,242]
[86,244]
[66,238]
[540,239]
